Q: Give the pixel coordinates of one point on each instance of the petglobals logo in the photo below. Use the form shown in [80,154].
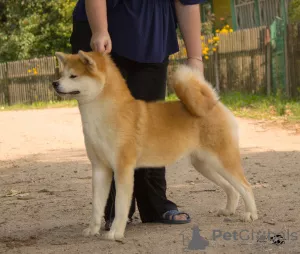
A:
[258,236]
[193,240]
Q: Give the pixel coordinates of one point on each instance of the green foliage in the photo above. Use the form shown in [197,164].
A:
[34,28]
[294,11]
[258,106]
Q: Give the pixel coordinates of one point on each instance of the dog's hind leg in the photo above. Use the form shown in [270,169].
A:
[241,184]
[206,165]
[101,181]
[232,171]
[228,165]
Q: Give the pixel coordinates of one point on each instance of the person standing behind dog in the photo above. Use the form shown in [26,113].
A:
[140,35]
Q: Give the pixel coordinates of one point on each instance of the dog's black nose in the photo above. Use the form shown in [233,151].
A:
[55,84]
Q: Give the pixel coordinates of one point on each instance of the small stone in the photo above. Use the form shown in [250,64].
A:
[269,222]
[284,185]
[75,171]
[25,198]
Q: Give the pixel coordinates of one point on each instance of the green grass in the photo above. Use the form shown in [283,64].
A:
[40,105]
[242,105]
[259,106]
[262,107]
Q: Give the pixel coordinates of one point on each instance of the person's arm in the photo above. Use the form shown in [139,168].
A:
[97,17]
[188,16]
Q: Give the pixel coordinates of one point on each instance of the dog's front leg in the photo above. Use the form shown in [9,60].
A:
[101,181]
[124,180]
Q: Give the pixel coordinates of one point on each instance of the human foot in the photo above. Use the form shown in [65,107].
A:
[175,217]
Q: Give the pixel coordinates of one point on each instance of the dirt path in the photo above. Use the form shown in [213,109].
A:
[45,193]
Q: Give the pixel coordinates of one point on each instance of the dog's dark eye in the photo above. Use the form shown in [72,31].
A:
[73,76]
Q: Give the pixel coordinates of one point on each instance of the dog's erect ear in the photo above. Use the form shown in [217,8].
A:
[61,57]
[87,60]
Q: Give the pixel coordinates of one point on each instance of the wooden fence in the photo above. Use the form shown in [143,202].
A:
[241,63]
[28,81]
[293,59]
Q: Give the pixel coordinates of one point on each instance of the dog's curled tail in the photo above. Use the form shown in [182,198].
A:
[193,90]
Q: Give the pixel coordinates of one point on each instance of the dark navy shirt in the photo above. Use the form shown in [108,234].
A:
[140,30]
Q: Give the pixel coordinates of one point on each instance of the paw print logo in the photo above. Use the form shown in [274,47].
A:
[277,239]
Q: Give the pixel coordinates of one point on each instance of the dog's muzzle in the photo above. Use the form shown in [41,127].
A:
[55,85]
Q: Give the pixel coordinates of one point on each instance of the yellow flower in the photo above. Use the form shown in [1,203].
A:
[218,31]
[214,49]
[184,52]
[35,72]
[206,57]
[202,37]
[29,71]
[206,48]
[230,30]
[216,38]
[227,26]
[210,41]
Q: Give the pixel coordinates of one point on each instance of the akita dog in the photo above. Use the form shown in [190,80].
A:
[122,134]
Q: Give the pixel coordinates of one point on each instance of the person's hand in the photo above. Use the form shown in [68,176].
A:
[195,63]
[101,42]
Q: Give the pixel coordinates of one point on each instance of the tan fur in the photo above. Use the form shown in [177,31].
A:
[122,134]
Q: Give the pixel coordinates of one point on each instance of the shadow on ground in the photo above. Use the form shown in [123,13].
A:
[53,205]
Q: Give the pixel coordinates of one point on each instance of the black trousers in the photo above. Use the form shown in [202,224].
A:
[146,81]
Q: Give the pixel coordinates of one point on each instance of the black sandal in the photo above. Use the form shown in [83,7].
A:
[168,217]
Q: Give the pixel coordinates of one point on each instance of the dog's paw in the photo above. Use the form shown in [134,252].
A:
[91,231]
[114,236]
[225,212]
[249,216]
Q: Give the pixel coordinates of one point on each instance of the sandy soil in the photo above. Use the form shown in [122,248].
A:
[45,192]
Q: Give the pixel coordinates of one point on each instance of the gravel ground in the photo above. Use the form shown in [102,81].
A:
[45,192]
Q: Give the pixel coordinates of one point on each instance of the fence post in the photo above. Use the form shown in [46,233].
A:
[287,69]
[216,67]
[56,76]
[6,86]
[268,60]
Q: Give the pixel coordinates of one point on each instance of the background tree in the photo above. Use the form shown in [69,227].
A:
[34,28]
[294,10]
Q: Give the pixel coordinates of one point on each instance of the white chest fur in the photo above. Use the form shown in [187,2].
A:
[98,135]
